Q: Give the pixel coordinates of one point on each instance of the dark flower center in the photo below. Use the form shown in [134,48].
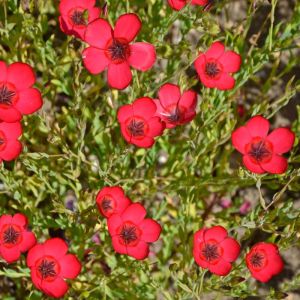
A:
[136,128]
[118,51]
[174,116]
[10,236]
[106,204]
[1,141]
[210,252]
[212,69]
[6,95]
[259,151]
[78,18]
[257,260]
[128,234]
[47,269]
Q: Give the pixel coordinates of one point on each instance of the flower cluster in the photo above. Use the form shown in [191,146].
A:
[147,118]
[17,98]
[216,251]
[130,231]
[49,262]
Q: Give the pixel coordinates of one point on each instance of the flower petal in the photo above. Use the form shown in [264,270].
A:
[135,213]
[127,27]
[169,94]
[9,114]
[55,247]
[21,75]
[156,127]
[215,51]
[277,165]
[144,107]
[125,112]
[255,168]
[140,251]
[56,288]
[231,249]
[11,151]
[258,126]
[30,100]
[98,33]
[142,56]
[188,100]
[5,219]
[225,82]
[35,279]
[145,142]
[12,131]
[113,223]
[28,241]
[282,140]
[20,219]
[95,60]
[70,266]
[230,61]
[240,138]
[118,247]
[222,268]
[119,75]
[34,254]
[10,255]
[150,230]
[177,4]
[217,233]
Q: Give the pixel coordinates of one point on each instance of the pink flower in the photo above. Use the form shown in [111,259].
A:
[112,50]
[173,108]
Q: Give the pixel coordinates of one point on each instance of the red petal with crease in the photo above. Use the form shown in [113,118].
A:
[119,75]
[142,56]
[127,27]
[95,60]
[30,100]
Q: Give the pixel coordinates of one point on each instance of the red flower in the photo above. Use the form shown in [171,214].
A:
[112,49]
[139,125]
[112,200]
[174,108]
[215,65]
[10,147]
[262,152]
[179,4]
[131,232]
[17,97]
[14,237]
[50,264]
[76,15]
[264,261]
[214,250]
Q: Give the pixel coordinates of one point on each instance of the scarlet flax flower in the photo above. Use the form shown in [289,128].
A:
[76,15]
[139,125]
[214,250]
[179,4]
[10,146]
[131,232]
[216,65]
[112,50]
[15,238]
[17,96]
[262,152]
[112,200]
[173,108]
[50,265]
[264,261]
